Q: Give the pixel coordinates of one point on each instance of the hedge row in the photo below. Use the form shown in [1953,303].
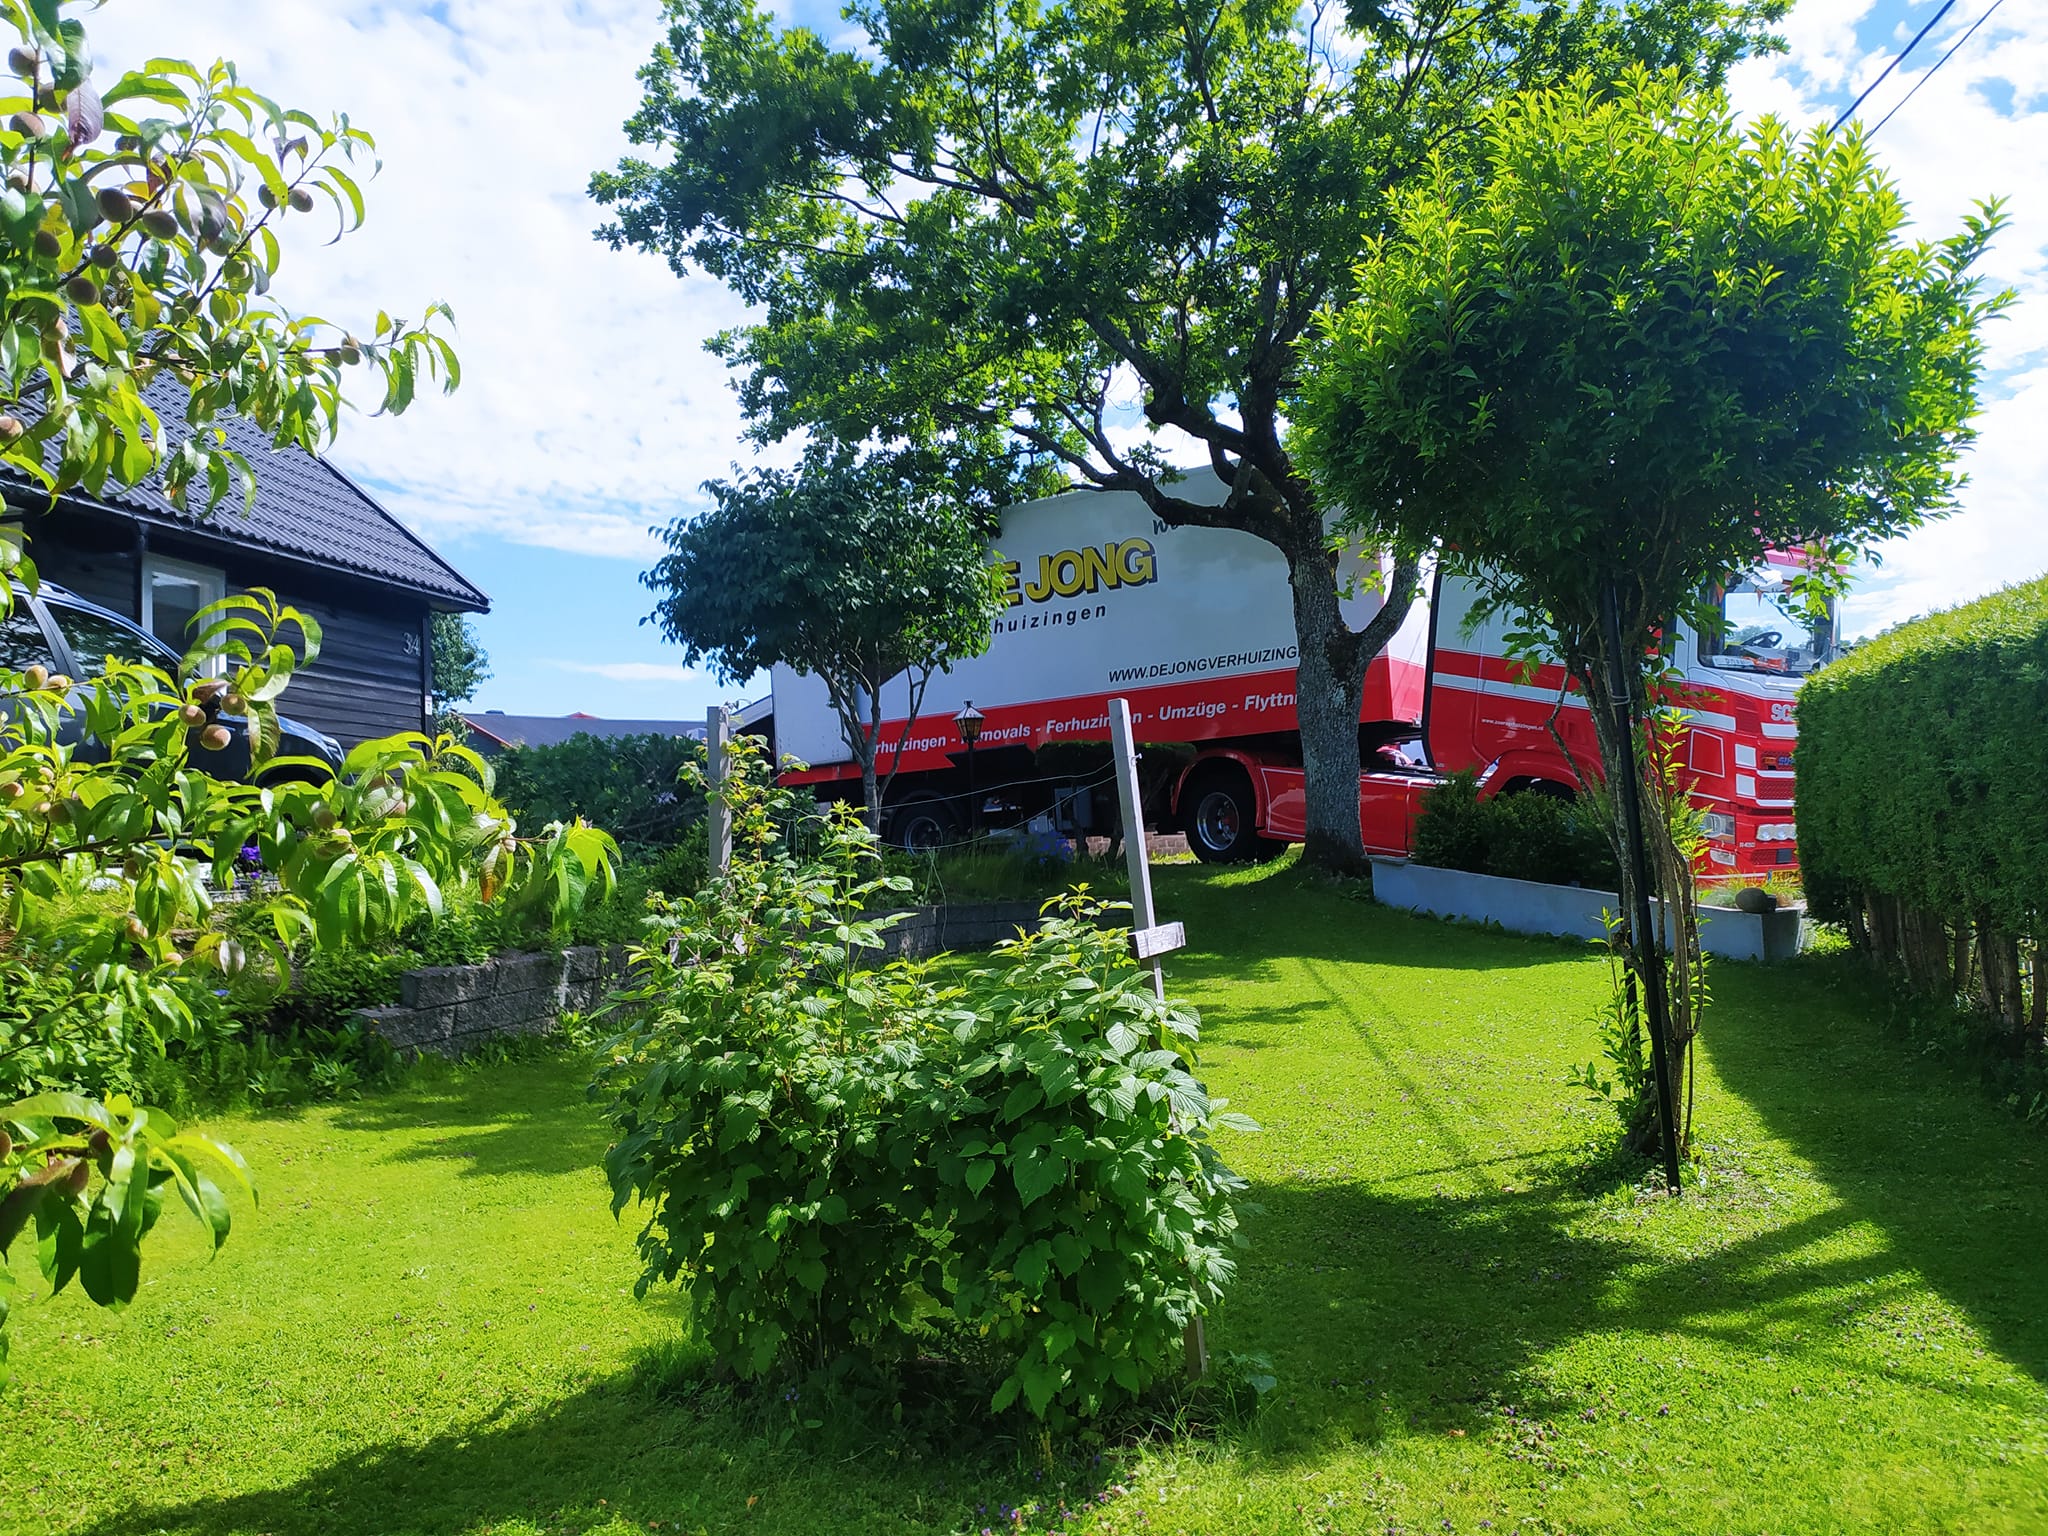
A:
[1923,796]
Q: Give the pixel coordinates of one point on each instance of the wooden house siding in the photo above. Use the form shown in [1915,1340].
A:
[99,575]
[370,678]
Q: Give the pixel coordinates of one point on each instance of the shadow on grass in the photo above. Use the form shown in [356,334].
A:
[1434,1314]
[1911,1142]
[1388,1316]
[663,1443]
[518,1117]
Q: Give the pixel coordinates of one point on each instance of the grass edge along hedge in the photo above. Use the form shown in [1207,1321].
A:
[1922,786]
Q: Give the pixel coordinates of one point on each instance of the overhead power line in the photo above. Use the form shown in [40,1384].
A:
[1995,4]
[1934,21]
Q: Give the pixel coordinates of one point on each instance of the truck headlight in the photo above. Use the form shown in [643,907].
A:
[1718,824]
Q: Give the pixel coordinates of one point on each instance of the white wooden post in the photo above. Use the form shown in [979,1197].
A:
[1132,802]
[1148,939]
[717,762]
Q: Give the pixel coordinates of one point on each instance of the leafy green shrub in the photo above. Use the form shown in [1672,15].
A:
[632,786]
[331,984]
[1518,836]
[850,1164]
[1922,809]
[1920,764]
[1005,871]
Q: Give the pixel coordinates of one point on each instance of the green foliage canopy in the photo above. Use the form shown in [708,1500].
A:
[1635,351]
[460,664]
[853,569]
[1027,218]
[1646,347]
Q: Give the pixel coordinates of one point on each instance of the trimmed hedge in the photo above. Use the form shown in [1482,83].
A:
[1528,836]
[1923,798]
[629,785]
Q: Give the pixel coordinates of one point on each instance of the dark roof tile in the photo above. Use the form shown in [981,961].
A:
[305,508]
[553,730]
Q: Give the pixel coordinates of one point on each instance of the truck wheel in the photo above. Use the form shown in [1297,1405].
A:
[1220,817]
[1549,789]
[922,825]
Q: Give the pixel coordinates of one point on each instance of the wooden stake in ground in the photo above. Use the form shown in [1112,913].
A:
[1149,938]
[718,815]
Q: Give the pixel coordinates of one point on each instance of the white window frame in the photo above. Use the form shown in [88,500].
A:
[210,579]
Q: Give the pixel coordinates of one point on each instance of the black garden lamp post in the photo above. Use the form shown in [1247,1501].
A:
[969,723]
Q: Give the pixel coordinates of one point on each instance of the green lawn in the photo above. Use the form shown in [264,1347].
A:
[1476,1322]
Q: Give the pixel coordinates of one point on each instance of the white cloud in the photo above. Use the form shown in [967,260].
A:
[589,409]
[1978,128]
[637,671]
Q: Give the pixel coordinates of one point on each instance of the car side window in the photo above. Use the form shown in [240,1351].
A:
[94,637]
[22,643]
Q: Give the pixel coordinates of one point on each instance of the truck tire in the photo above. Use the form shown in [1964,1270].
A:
[1219,813]
[923,824]
[1549,789]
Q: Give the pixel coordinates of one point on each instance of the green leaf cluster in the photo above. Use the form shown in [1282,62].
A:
[846,1160]
[115,848]
[139,238]
[1642,345]
[632,786]
[53,1144]
[1919,767]
[1517,836]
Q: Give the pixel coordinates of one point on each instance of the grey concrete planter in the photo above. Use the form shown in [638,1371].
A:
[1571,911]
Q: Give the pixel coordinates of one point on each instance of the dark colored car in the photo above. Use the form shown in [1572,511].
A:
[59,630]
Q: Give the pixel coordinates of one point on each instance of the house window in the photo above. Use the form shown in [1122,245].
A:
[173,592]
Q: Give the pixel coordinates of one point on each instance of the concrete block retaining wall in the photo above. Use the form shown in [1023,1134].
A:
[446,1009]
[966,925]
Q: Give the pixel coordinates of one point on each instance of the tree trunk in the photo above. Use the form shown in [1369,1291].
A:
[1329,692]
[870,787]
[2014,1015]
[1859,928]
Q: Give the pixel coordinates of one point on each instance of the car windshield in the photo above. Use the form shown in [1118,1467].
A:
[95,636]
[21,640]
[1765,627]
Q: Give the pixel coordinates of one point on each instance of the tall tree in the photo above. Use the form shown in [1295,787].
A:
[1069,220]
[460,666]
[1639,351]
[852,569]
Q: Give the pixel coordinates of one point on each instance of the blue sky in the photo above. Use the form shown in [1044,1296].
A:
[591,412]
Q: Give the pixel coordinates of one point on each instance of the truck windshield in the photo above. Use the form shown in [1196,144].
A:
[1764,627]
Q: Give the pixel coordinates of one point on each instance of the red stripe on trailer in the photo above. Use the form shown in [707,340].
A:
[1208,709]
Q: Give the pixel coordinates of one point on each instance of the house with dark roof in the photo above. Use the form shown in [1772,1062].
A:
[313,536]
[492,730]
